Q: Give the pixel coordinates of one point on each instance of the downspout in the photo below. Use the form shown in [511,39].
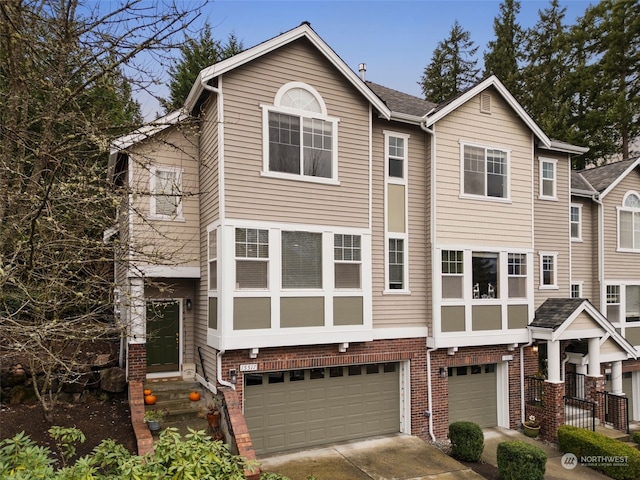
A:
[423,126]
[429,397]
[603,291]
[218,92]
[528,344]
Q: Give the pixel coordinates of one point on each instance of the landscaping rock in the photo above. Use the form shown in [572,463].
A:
[113,380]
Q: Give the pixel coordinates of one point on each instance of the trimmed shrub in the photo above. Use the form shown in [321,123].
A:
[467,441]
[593,446]
[521,461]
[635,436]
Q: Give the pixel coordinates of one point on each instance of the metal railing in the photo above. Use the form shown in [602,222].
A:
[574,384]
[579,412]
[534,390]
[615,410]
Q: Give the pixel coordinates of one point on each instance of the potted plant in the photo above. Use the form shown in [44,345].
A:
[531,427]
[213,415]
[153,419]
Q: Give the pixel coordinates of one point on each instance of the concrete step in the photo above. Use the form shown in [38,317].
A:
[172,396]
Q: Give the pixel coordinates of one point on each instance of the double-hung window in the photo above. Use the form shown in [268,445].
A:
[347,254]
[452,274]
[166,192]
[213,259]
[629,223]
[575,220]
[613,303]
[548,270]
[548,179]
[301,139]
[485,172]
[252,258]
[396,264]
[517,273]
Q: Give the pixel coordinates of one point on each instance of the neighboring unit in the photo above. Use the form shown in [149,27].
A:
[355,261]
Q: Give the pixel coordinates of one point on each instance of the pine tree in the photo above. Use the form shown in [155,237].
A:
[453,67]
[197,53]
[504,54]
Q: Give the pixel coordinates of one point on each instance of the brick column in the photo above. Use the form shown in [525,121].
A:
[592,387]
[553,417]
[137,361]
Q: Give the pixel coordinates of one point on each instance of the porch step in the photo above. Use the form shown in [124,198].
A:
[613,433]
[172,396]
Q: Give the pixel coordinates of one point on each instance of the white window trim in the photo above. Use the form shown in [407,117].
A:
[152,188]
[348,262]
[579,284]
[622,208]
[405,160]
[507,198]
[554,285]
[541,195]
[236,258]
[405,281]
[277,108]
[527,269]
[209,258]
[579,207]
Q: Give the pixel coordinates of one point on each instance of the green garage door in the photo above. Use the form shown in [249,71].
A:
[304,408]
[473,395]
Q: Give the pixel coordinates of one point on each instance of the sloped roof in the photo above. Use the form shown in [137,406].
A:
[603,178]
[555,311]
[402,102]
[579,184]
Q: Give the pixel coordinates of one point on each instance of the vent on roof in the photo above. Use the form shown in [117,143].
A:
[485,103]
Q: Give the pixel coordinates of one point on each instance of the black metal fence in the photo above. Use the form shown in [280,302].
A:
[579,412]
[574,385]
[615,410]
[533,390]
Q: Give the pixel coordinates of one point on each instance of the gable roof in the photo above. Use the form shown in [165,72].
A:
[446,108]
[304,30]
[402,103]
[556,314]
[604,178]
[580,186]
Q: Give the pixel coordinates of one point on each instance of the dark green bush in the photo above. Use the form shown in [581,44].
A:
[467,441]
[521,461]
[635,436]
[591,445]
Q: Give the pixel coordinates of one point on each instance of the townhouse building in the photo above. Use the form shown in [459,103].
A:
[356,261]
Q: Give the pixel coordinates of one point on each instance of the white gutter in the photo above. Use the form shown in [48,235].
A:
[219,371]
[528,344]
[429,398]
[600,247]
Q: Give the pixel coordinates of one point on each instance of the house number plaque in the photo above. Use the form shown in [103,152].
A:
[249,367]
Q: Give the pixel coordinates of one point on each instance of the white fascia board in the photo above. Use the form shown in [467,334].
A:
[263,48]
[147,131]
[167,271]
[564,147]
[497,84]
[621,177]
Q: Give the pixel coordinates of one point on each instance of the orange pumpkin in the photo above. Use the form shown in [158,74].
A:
[194,396]
[147,391]
[150,399]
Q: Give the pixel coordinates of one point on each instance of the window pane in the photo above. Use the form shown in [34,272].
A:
[252,243]
[548,270]
[396,264]
[485,275]
[575,290]
[626,230]
[396,168]
[347,275]
[213,275]
[632,201]
[474,170]
[496,173]
[251,274]
[284,143]
[632,293]
[165,189]
[517,287]
[301,260]
[317,147]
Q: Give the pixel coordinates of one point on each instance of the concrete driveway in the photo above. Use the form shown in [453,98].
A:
[398,457]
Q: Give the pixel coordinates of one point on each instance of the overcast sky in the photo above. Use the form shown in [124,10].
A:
[394,38]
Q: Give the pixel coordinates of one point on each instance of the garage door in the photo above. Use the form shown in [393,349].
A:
[473,395]
[304,408]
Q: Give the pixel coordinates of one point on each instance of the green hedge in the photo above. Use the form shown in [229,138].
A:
[635,436]
[467,441]
[598,451]
[521,461]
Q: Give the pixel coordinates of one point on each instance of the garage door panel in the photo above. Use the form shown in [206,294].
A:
[473,396]
[311,412]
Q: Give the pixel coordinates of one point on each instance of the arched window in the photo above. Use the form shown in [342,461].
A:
[629,222]
[301,137]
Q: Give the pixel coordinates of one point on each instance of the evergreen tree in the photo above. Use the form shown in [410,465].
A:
[544,93]
[197,53]
[504,54]
[453,67]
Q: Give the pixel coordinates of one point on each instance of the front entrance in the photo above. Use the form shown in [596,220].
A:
[163,336]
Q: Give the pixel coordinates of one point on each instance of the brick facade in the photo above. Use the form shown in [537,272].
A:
[553,415]
[137,361]
[377,351]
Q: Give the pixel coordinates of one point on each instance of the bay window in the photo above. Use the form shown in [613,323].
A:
[301,260]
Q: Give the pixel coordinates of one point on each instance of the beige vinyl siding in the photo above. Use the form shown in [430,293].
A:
[584,266]
[166,242]
[477,221]
[252,196]
[209,213]
[402,310]
[619,265]
[552,229]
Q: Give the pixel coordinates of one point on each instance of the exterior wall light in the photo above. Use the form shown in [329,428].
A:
[442,372]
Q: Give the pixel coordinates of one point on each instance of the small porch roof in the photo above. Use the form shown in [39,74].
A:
[575,318]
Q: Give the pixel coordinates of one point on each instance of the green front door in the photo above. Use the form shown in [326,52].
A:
[163,336]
